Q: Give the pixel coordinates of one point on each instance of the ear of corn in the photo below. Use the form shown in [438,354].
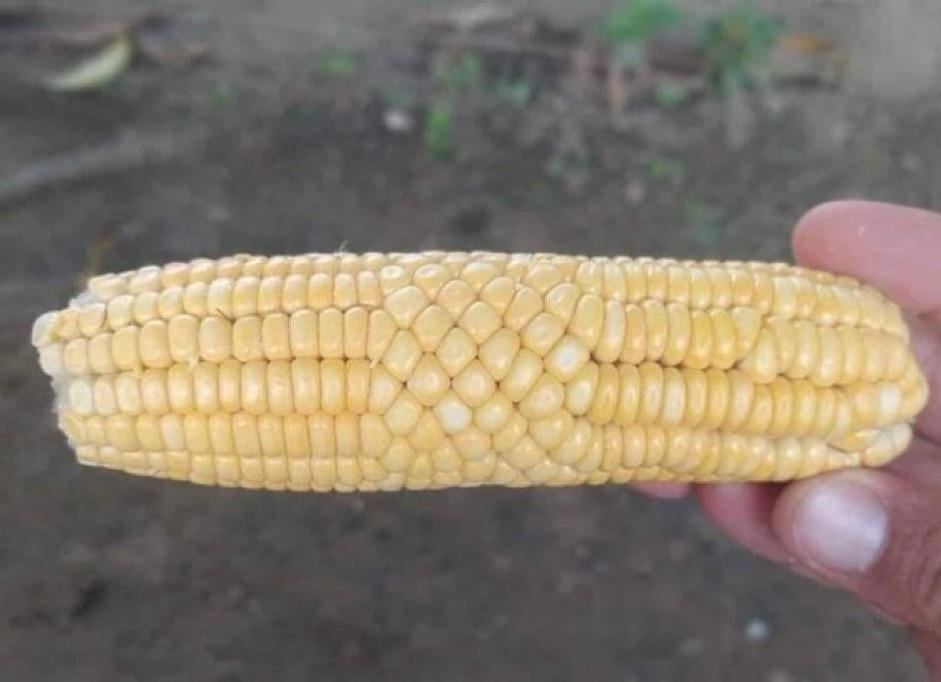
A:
[388,371]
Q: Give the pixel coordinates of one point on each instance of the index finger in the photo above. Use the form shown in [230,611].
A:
[897,250]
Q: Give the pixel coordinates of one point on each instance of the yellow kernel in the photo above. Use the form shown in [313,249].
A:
[355,328]
[153,347]
[153,391]
[304,336]
[403,413]
[656,326]
[498,293]
[276,336]
[428,381]
[480,321]
[455,297]
[453,413]
[269,294]
[544,398]
[305,385]
[379,335]
[219,297]
[330,328]
[230,392]
[183,338]
[245,297]
[494,414]
[279,387]
[194,299]
[294,293]
[524,306]
[333,386]
[215,339]
[542,333]
[91,319]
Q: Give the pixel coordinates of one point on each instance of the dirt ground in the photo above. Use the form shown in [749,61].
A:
[107,577]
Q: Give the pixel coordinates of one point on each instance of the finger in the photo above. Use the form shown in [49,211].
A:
[870,532]
[920,463]
[743,511]
[666,491]
[926,344]
[895,249]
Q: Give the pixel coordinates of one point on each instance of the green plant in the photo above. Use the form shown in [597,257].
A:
[464,74]
[670,95]
[439,131]
[638,21]
[665,169]
[337,64]
[221,96]
[704,221]
[515,93]
[738,43]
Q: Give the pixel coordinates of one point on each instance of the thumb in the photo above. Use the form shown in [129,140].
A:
[873,533]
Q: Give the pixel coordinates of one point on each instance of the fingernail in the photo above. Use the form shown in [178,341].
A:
[840,525]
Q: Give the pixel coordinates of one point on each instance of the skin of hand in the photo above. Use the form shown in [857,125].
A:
[874,533]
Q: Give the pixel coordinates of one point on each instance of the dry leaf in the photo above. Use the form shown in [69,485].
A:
[807,57]
[98,70]
[618,90]
[808,43]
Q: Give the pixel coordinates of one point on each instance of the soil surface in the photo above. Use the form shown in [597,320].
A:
[108,577]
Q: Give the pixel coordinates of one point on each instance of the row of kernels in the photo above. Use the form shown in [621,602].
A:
[354,333]
[668,333]
[329,475]
[781,291]
[303,385]
[314,475]
[350,440]
[594,455]
[150,278]
[407,294]
[825,355]
[711,399]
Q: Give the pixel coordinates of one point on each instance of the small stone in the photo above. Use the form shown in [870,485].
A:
[691,646]
[218,214]
[398,121]
[778,675]
[757,630]
[635,192]
[910,163]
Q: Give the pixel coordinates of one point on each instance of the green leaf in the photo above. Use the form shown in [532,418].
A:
[737,42]
[670,95]
[439,131]
[464,74]
[664,169]
[514,93]
[639,20]
[337,64]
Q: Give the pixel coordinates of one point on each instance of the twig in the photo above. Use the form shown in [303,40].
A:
[127,153]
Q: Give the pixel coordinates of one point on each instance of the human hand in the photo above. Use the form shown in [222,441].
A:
[875,533]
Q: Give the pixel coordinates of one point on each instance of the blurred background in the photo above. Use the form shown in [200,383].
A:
[135,132]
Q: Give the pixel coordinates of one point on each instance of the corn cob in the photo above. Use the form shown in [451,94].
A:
[387,371]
